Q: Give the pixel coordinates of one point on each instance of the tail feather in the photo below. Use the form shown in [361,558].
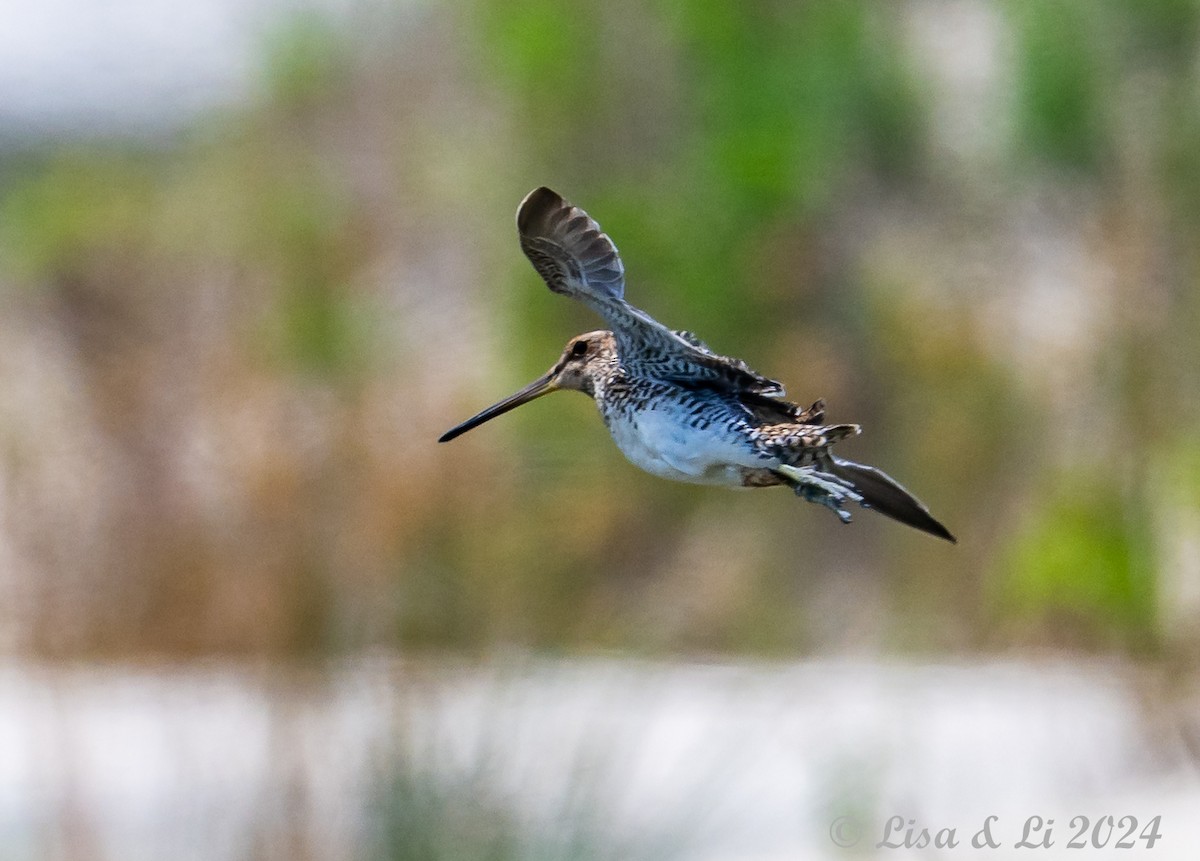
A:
[880,492]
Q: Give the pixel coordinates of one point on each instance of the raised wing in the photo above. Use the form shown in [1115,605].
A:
[575,258]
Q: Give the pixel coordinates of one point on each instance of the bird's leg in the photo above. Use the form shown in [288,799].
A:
[822,488]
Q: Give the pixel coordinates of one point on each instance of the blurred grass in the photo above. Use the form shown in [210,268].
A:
[246,339]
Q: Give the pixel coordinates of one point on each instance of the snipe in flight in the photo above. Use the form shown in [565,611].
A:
[673,406]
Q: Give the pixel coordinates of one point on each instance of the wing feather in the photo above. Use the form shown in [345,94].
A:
[577,259]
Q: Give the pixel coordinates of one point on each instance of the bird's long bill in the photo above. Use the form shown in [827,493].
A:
[541,386]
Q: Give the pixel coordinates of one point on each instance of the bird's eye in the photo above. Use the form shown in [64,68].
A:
[579,348]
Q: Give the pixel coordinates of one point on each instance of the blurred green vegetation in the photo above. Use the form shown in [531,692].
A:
[423,808]
[1082,568]
[308,289]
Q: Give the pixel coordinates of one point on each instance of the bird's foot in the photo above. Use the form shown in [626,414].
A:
[822,488]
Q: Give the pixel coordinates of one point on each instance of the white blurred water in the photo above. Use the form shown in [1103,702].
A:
[723,761]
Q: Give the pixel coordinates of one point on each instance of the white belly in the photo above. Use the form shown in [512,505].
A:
[659,443]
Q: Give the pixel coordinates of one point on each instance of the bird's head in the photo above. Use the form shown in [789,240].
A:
[587,358]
